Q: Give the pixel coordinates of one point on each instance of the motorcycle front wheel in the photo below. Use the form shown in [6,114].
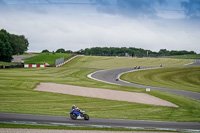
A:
[73,116]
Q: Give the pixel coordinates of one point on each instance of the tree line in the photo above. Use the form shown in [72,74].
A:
[61,50]
[11,44]
[123,51]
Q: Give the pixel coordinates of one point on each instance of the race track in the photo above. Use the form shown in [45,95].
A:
[110,76]
[95,122]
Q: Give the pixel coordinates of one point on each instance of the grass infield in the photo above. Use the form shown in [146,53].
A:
[182,78]
[17,94]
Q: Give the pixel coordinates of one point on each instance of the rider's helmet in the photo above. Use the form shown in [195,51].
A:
[73,106]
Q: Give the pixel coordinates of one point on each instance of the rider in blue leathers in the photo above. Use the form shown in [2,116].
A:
[75,108]
[76,113]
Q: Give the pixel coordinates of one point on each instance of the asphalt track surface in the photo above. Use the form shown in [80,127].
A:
[110,76]
[114,123]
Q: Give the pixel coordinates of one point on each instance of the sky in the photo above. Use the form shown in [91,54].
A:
[80,24]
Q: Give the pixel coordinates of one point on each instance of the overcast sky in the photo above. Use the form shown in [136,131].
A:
[80,24]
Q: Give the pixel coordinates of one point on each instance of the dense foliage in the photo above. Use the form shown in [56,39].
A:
[11,44]
[131,51]
[45,51]
[61,50]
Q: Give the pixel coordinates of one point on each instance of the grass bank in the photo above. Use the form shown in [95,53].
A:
[17,94]
[181,78]
[7,63]
[49,58]
[193,56]
[102,62]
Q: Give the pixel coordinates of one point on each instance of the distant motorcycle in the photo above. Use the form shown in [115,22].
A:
[78,114]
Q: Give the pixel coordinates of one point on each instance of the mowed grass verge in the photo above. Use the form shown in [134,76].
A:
[17,95]
[51,127]
[192,56]
[181,78]
[102,62]
[42,58]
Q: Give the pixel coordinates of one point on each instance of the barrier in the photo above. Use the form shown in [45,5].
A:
[22,66]
[11,66]
[34,65]
[59,61]
[63,63]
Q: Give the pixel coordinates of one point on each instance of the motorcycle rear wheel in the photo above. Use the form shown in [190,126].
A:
[86,117]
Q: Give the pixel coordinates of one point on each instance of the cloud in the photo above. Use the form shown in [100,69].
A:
[2,3]
[171,9]
[78,26]
[192,8]
[128,7]
[15,2]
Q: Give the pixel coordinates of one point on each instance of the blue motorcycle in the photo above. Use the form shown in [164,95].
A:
[78,114]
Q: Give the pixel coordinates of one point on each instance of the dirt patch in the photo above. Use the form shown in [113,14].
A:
[103,94]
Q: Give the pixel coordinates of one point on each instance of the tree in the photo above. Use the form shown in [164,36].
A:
[19,43]
[163,52]
[11,44]
[45,51]
[69,51]
[5,47]
[61,50]
[139,52]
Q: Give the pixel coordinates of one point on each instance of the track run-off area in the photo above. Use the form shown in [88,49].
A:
[110,76]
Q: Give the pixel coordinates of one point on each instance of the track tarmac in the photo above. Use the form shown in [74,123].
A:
[97,122]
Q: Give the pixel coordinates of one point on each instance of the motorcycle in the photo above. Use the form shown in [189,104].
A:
[78,114]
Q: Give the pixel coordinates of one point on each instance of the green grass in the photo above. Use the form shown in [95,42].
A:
[42,58]
[7,63]
[17,94]
[193,56]
[181,78]
[21,126]
[100,62]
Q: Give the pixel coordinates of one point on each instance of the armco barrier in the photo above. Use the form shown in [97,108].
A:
[34,65]
[59,65]
[59,61]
